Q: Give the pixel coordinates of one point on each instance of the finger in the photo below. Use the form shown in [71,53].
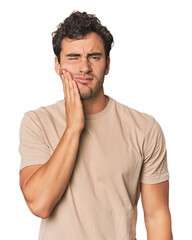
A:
[76,91]
[71,91]
[62,76]
[66,84]
[63,82]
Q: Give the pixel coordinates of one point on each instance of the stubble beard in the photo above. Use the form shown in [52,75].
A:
[87,92]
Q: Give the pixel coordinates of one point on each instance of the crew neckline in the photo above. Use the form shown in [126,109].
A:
[101,113]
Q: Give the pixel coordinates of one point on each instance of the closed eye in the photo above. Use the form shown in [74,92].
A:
[73,58]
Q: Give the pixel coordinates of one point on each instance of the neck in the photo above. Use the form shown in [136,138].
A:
[95,104]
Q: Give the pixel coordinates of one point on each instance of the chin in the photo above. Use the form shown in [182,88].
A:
[87,93]
[85,96]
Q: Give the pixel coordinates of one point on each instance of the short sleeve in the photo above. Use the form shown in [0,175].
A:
[32,148]
[154,169]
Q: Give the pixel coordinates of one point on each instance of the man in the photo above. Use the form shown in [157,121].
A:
[85,160]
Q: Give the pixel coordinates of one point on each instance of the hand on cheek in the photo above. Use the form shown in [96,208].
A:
[73,105]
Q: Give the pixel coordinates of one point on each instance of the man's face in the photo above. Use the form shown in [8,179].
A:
[85,60]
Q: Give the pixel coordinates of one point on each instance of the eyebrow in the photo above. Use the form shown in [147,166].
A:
[95,54]
[79,55]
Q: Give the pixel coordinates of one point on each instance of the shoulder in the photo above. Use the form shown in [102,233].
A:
[133,117]
[44,114]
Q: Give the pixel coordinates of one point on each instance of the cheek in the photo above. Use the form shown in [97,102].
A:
[69,67]
[100,70]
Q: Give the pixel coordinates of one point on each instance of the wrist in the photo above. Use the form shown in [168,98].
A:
[73,131]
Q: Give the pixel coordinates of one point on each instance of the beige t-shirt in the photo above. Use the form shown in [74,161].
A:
[119,148]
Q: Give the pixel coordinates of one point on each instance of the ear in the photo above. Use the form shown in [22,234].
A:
[107,65]
[57,66]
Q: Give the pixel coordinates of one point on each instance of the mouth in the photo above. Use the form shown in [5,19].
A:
[83,79]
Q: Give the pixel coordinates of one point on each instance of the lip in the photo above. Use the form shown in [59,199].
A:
[83,79]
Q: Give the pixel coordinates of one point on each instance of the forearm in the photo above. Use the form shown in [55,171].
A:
[159,227]
[45,188]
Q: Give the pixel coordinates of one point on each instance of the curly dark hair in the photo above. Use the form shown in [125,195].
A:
[77,26]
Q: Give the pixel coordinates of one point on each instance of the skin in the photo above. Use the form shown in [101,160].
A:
[85,58]
[155,201]
[44,185]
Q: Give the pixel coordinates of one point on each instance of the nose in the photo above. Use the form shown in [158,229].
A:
[85,66]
